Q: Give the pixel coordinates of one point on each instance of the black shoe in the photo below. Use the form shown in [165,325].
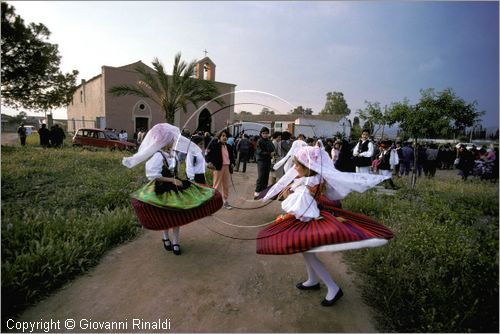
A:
[301,286]
[167,244]
[327,302]
[177,249]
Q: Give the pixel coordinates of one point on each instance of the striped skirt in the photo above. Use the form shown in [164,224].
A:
[156,218]
[288,235]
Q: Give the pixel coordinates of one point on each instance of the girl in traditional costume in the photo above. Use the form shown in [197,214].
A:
[313,223]
[167,202]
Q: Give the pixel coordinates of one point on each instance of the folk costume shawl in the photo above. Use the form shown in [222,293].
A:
[338,184]
[330,234]
[159,136]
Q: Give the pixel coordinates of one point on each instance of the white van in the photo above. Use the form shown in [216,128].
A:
[30,129]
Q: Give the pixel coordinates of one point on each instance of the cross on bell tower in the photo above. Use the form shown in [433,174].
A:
[205,51]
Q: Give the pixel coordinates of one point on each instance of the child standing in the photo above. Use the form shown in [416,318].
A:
[221,160]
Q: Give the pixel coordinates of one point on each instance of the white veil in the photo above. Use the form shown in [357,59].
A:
[158,137]
[287,159]
[338,184]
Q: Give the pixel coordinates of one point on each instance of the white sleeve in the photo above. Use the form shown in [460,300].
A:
[189,166]
[154,166]
[393,159]
[200,164]
[355,150]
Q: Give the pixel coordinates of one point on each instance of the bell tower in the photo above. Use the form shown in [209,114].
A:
[205,69]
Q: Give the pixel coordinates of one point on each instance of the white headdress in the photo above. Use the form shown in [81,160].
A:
[159,136]
[338,184]
[287,159]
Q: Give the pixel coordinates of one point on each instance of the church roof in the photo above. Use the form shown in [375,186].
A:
[206,60]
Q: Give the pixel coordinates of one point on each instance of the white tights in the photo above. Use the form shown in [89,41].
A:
[316,269]
[175,235]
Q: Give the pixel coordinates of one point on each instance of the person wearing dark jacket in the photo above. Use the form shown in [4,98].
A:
[243,150]
[363,152]
[44,134]
[264,151]
[387,160]
[220,159]
[465,162]
[345,162]
[21,131]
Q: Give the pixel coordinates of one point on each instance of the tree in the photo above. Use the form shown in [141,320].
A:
[335,105]
[435,115]
[374,118]
[356,132]
[31,77]
[301,111]
[266,111]
[243,112]
[171,92]
[297,111]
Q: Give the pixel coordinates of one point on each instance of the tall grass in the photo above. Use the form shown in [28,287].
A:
[62,209]
[440,272]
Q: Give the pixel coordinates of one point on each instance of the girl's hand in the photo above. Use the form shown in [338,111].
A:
[210,165]
[178,183]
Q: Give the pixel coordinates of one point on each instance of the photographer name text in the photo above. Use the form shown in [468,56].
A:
[86,324]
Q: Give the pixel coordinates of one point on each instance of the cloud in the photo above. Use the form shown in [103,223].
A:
[431,65]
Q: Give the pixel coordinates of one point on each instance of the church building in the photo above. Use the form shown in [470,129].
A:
[93,107]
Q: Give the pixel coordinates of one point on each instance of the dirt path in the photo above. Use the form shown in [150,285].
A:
[218,284]
[10,138]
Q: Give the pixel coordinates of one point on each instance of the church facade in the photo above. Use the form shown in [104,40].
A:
[93,107]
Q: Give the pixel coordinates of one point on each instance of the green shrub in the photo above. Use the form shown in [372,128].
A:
[440,272]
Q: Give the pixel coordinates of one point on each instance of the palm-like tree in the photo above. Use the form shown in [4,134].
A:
[171,92]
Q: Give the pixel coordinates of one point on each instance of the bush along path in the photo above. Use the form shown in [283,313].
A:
[440,272]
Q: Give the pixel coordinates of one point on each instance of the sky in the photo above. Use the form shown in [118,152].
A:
[292,51]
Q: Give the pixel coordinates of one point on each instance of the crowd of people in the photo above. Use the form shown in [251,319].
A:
[53,137]
[385,157]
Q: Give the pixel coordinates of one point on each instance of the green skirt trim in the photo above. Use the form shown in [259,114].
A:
[192,197]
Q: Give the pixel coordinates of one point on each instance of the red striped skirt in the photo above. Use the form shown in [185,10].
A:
[288,235]
[155,218]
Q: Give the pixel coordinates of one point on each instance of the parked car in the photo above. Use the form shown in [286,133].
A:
[101,138]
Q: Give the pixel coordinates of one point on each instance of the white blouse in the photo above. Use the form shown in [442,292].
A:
[155,163]
[301,203]
[195,168]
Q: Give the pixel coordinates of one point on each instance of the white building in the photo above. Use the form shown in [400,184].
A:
[326,126]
